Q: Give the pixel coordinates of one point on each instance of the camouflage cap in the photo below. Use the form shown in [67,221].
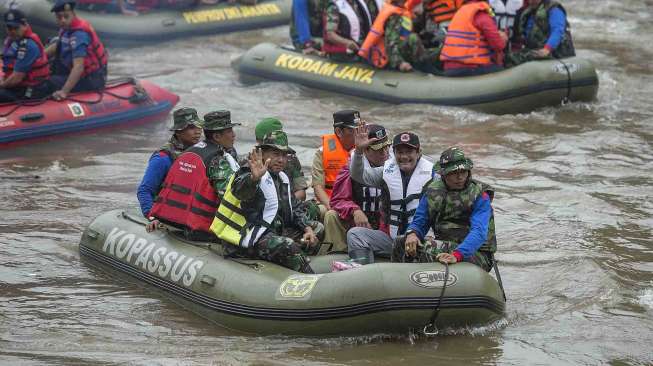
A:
[183,117]
[277,140]
[218,120]
[453,159]
[267,125]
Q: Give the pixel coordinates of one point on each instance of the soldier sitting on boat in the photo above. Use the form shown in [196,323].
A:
[544,31]
[459,211]
[347,23]
[260,216]
[306,25]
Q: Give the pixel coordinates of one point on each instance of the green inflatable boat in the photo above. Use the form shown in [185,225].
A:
[259,297]
[517,90]
[161,25]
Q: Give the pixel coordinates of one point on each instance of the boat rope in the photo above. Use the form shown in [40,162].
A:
[430,329]
[566,99]
[496,272]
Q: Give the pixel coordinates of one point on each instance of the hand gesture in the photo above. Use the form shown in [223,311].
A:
[542,53]
[361,138]
[360,219]
[446,258]
[256,165]
[309,237]
[412,241]
[152,226]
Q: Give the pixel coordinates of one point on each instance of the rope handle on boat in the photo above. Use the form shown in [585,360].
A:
[430,329]
[566,99]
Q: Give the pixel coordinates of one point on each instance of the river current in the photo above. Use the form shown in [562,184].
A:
[574,220]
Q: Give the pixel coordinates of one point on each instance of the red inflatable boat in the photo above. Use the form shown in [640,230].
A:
[124,101]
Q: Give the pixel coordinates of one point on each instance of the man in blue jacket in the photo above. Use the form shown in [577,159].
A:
[459,210]
[187,129]
[544,30]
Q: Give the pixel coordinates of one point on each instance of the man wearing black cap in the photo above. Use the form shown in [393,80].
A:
[333,155]
[24,62]
[80,59]
[354,204]
[198,179]
[401,178]
[187,131]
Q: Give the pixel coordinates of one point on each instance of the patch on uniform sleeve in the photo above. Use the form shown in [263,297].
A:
[485,196]
[21,54]
[73,41]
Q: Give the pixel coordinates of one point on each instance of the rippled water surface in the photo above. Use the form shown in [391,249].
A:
[574,217]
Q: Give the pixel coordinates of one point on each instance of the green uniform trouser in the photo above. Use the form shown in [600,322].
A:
[428,250]
[423,59]
[522,56]
[282,250]
[335,232]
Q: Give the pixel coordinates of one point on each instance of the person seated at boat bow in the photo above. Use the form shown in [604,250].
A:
[345,27]
[187,131]
[24,62]
[473,45]
[197,180]
[306,25]
[545,31]
[392,42]
[260,216]
[401,179]
[293,169]
[333,155]
[80,59]
[459,211]
[354,204]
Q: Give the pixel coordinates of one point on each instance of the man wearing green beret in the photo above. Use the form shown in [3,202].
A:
[198,179]
[260,216]
[293,170]
[187,131]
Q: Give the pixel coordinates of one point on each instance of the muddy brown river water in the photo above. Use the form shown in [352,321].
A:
[573,210]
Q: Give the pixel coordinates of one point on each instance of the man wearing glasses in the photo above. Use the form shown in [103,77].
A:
[80,57]
[24,62]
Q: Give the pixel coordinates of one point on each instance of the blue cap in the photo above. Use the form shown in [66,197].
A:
[15,18]
[61,5]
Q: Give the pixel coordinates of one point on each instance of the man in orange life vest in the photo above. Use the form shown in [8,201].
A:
[24,62]
[393,43]
[80,57]
[197,180]
[473,45]
[333,155]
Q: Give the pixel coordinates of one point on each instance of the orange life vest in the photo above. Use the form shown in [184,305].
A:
[373,48]
[40,70]
[334,157]
[443,10]
[464,42]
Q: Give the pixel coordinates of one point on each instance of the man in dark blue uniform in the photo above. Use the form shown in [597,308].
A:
[24,63]
[80,57]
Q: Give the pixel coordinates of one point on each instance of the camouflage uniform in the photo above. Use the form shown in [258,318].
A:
[539,35]
[315,16]
[295,174]
[449,213]
[404,45]
[280,243]
[332,24]
[219,170]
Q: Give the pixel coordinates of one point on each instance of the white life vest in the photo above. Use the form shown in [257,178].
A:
[270,209]
[403,207]
[354,23]
[505,12]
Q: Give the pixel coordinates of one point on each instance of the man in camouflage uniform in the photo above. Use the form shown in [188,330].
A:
[279,243]
[306,25]
[187,131]
[293,169]
[219,129]
[459,210]
[544,30]
[338,43]
[405,48]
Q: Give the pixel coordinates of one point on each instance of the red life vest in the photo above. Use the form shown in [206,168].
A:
[373,49]
[40,70]
[464,42]
[187,197]
[96,55]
